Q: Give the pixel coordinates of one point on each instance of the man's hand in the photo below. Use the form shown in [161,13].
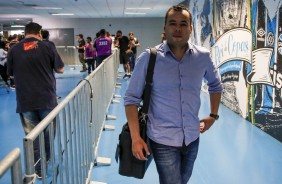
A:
[206,123]
[138,148]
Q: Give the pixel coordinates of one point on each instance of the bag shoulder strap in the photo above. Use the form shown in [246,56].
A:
[149,80]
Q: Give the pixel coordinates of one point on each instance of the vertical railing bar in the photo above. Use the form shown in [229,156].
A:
[83,120]
[52,152]
[17,169]
[66,155]
[29,160]
[42,156]
[85,124]
[79,136]
[70,140]
[59,148]
[75,139]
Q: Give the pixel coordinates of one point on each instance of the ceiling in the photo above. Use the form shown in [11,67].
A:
[24,10]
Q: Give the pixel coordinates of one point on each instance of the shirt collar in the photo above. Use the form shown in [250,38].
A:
[165,48]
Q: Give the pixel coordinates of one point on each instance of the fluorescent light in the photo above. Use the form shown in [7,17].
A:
[138,8]
[62,14]
[17,26]
[46,8]
[135,13]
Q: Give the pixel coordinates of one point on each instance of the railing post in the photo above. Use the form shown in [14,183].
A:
[29,161]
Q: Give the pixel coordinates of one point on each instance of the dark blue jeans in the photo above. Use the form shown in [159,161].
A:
[175,164]
[99,60]
[29,121]
[132,62]
[91,65]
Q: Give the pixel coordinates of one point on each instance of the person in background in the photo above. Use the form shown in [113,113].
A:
[9,82]
[13,40]
[133,44]
[103,46]
[123,45]
[80,48]
[90,54]
[173,126]
[45,37]
[32,63]
[117,37]
[1,39]
[3,65]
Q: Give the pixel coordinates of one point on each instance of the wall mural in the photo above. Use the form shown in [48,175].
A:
[245,39]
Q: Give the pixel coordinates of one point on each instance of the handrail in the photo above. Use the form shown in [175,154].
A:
[74,127]
[12,161]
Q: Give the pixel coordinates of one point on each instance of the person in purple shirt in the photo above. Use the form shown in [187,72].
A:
[90,54]
[103,46]
[173,126]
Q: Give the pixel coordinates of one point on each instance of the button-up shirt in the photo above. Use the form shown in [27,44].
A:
[175,97]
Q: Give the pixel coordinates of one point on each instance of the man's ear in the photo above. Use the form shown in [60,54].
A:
[191,28]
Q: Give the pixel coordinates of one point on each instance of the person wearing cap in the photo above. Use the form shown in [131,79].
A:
[32,62]
[80,48]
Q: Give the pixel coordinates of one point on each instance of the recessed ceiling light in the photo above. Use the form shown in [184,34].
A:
[134,13]
[138,8]
[62,14]
[17,26]
[46,8]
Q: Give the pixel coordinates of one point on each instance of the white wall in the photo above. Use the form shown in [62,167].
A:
[147,30]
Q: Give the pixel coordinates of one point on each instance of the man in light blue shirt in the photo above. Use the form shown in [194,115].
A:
[173,124]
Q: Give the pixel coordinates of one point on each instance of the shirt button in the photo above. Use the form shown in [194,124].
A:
[182,102]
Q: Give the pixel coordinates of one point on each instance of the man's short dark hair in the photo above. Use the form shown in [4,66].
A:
[32,28]
[103,32]
[80,35]
[89,38]
[45,34]
[179,8]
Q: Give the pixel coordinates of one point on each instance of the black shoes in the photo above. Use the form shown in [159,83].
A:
[38,175]
[128,75]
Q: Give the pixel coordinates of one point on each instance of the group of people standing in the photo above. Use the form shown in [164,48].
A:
[5,46]
[101,48]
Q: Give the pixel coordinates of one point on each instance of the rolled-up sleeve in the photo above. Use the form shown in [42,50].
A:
[213,78]
[133,94]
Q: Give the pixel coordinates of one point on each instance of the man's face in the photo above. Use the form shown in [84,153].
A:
[178,28]
[118,34]
[78,38]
